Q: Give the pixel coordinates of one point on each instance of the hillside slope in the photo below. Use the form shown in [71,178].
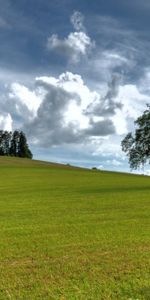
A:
[69,233]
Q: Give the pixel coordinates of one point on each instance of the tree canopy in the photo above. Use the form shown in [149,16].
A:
[14,144]
[137,145]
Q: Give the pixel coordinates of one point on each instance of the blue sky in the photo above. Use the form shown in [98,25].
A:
[74,75]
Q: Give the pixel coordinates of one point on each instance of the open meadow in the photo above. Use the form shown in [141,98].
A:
[73,234]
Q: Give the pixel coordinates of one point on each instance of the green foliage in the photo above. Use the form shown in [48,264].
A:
[23,149]
[73,234]
[137,146]
[5,137]
[14,144]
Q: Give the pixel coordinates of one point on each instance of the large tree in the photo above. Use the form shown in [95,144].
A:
[137,145]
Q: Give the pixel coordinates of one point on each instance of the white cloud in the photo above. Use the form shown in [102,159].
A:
[77,44]
[133,101]
[64,110]
[6,122]
[120,122]
[57,115]
[32,99]
[80,96]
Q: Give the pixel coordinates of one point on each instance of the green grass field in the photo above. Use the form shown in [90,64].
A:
[69,233]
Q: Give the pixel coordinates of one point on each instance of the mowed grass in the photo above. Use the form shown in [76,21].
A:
[69,233]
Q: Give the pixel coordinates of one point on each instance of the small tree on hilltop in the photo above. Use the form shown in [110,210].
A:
[137,145]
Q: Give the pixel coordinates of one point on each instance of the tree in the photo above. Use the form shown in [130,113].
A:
[23,149]
[6,142]
[5,138]
[137,145]
[14,144]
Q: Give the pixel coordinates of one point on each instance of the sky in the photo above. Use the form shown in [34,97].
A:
[74,76]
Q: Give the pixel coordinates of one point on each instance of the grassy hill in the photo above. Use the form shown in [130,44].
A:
[68,233]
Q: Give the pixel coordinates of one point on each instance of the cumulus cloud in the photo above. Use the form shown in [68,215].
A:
[19,104]
[76,44]
[49,126]
[60,118]
[63,110]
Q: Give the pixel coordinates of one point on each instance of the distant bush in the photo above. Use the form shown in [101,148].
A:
[94,168]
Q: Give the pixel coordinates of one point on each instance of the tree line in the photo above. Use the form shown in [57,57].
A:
[14,144]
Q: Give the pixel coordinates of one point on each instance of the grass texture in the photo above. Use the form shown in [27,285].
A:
[73,234]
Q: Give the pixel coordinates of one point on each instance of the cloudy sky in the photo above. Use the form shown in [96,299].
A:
[74,75]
